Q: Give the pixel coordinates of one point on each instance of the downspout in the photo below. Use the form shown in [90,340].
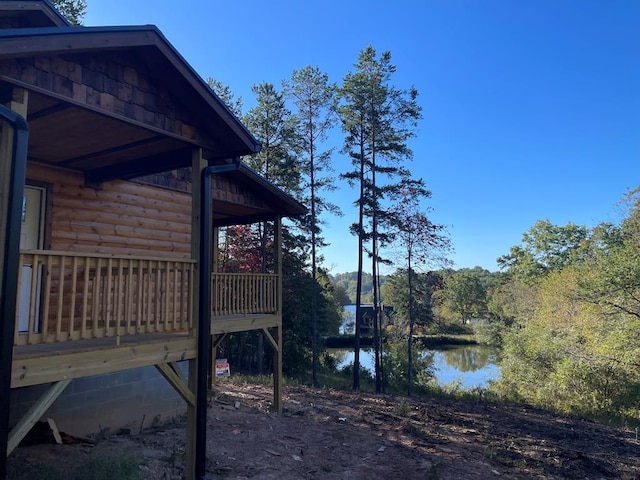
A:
[14,182]
[204,316]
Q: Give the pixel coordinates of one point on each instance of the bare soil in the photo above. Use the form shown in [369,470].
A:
[328,434]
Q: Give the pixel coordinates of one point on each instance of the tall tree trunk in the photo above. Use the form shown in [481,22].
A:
[314,278]
[374,256]
[376,316]
[411,324]
[356,351]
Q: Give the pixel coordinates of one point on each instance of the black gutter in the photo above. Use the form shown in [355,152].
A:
[204,313]
[10,266]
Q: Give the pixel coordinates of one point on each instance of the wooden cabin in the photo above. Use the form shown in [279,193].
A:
[120,129]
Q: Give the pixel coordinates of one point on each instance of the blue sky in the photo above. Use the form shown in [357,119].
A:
[531,107]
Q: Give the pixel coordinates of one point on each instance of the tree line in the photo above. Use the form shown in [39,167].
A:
[295,122]
[564,308]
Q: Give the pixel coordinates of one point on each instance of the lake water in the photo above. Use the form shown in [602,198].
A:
[469,365]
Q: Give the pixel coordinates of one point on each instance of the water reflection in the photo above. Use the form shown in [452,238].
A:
[469,358]
[469,366]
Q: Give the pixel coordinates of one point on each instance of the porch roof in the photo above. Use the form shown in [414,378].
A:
[107,144]
[223,136]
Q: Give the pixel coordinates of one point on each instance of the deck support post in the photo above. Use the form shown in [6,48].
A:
[35,412]
[13,167]
[198,164]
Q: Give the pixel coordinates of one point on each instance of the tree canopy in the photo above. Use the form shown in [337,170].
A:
[72,10]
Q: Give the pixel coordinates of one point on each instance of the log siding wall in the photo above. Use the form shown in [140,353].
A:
[120,217]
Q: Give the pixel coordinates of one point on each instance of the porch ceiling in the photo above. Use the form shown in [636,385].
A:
[102,147]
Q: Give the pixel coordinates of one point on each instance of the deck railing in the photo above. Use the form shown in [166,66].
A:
[65,296]
[244,294]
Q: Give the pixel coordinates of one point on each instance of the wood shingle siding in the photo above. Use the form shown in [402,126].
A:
[113,85]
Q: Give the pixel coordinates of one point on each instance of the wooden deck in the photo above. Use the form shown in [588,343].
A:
[45,363]
[83,315]
[52,362]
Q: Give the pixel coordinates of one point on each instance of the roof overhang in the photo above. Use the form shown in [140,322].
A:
[71,134]
[230,137]
[31,14]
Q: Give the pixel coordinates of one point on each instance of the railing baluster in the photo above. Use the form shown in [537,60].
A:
[119,301]
[74,285]
[129,299]
[165,293]
[85,298]
[44,327]
[175,296]
[97,310]
[157,298]
[59,299]
[18,297]
[149,298]
[33,295]
[109,298]
[142,328]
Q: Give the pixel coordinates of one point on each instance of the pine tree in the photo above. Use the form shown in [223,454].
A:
[72,10]
[315,101]
[378,120]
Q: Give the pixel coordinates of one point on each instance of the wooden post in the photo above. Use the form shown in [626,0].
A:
[214,268]
[19,101]
[277,364]
[197,165]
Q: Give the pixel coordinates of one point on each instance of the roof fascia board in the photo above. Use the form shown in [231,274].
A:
[54,14]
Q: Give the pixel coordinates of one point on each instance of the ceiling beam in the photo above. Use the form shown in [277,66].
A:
[143,166]
[110,151]
[45,112]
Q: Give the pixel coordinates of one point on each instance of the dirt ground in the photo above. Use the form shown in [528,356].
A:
[327,434]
